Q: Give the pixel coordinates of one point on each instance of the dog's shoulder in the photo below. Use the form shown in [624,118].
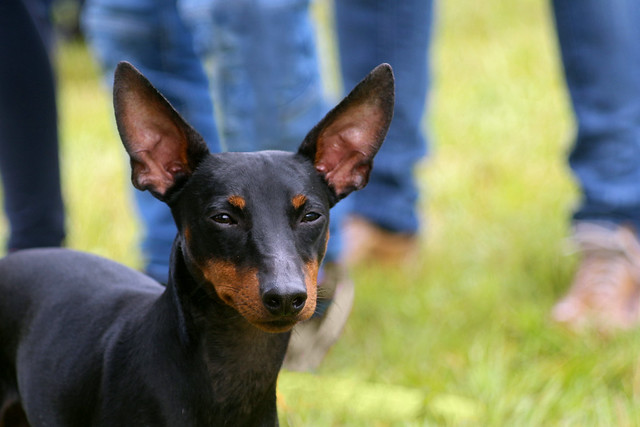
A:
[53,275]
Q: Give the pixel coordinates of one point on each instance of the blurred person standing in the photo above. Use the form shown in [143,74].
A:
[600,46]
[29,159]
[383,220]
[600,51]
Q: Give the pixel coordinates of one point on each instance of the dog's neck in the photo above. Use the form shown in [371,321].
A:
[241,360]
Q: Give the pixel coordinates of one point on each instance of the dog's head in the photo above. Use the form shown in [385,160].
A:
[253,227]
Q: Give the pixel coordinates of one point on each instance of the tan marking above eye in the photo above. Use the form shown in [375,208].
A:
[237,201]
[298,200]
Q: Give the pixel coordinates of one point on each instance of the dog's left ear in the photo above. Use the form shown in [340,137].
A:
[342,145]
[163,148]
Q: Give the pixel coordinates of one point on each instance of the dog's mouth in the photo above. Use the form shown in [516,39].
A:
[279,325]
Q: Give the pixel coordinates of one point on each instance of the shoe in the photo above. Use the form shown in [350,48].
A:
[605,293]
[366,241]
[311,340]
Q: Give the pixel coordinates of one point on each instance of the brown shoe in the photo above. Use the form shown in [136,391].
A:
[605,293]
[365,241]
[311,340]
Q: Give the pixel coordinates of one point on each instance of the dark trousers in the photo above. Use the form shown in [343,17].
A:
[29,164]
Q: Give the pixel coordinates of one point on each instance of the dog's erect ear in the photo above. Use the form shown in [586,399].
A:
[343,144]
[164,150]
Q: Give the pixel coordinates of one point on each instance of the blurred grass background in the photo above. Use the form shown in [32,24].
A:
[462,337]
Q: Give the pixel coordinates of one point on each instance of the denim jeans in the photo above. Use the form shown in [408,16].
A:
[266,81]
[398,32]
[600,46]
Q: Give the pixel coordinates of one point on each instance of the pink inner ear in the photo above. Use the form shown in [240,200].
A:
[156,145]
[155,168]
[346,147]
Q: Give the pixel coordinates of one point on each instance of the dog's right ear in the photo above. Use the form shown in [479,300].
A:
[163,148]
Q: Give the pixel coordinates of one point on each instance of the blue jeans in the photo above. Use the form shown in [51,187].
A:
[265,77]
[600,46]
[398,32]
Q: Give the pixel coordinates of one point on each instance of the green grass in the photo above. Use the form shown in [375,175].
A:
[463,337]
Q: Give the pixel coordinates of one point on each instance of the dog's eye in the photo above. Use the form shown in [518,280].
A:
[310,217]
[223,218]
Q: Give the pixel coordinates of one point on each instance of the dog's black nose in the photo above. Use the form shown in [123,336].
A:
[284,302]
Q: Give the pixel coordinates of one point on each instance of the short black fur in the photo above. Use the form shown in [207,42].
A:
[85,341]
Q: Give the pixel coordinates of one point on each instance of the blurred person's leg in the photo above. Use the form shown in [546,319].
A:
[152,36]
[266,75]
[29,160]
[385,216]
[599,43]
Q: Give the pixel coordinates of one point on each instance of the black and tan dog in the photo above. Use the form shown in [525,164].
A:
[88,342]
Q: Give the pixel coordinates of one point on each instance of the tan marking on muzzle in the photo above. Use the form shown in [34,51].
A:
[240,289]
[237,287]
[311,283]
